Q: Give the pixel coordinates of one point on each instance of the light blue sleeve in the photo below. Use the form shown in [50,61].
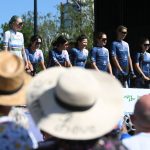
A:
[66,56]
[27,54]
[108,56]
[41,56]
[6,38]
[53,56]
[113,49]
[93,54]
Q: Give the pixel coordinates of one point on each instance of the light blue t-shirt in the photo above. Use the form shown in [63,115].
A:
[35,56]
[79,57]
[144,61]
[100,55]
[120,49]
[58,56]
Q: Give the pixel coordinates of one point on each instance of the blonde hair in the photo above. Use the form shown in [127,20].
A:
[12,20]
[120,28]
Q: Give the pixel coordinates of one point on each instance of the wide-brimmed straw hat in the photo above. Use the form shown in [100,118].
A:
[75,103]
[13,80]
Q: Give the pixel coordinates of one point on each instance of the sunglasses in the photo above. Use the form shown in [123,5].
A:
[123,32]
[38,43]
[103,39]
[146,45]
[20,24]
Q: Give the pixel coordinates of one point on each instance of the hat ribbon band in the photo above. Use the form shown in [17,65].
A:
[3,92]
[71,107]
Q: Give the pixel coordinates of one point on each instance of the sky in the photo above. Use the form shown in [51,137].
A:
[8,8]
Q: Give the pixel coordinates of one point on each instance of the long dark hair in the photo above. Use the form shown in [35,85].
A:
[140,42]
[60,40]
[98,35]
[34,38]
[80,38]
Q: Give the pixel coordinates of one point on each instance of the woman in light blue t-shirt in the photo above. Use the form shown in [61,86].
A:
[79,53]
[59,56]
[34,54]
[142,64]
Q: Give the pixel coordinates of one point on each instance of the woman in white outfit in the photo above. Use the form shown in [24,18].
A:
[13,40]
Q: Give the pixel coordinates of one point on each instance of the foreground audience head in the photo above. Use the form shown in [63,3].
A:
[13,80]
[75,104]
[141,117]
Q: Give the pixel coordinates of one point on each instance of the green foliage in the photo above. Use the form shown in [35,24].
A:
[47,28]
[82,22]
[28,27]
[5,27]
[78,20]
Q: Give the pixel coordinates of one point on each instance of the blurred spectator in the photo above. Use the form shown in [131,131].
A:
[127,127]
[13,85]
[73,106]
[14,137]
[141,120]
[22,116]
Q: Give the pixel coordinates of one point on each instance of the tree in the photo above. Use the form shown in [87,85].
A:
[78,19]
[81,19]
[47,28]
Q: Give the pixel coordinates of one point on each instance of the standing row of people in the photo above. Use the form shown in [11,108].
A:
[116,61]
[72,117]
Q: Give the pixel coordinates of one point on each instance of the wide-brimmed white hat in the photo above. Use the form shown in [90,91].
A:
[75,103]
[13,80]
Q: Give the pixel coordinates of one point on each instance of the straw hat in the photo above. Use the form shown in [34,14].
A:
[13,80]
[75,103]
